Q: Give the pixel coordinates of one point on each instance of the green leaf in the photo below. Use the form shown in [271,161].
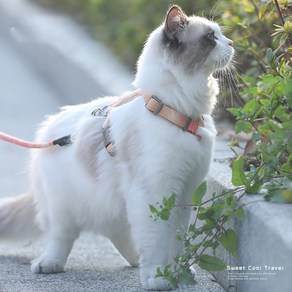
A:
[239,213]
[243,126]
[281,114]
[229,240]
[288,125]
[288,83]
[265,9]
[251,107]
[275,196]
[269,79]
[237,112]
[238,176]
[211,263]
[170,202]
[164,214]
[153,210]
[270,55]
[186,277]
[280,193]
[254,187]
[199,194]
[251,90]
[166,273]
[265,102]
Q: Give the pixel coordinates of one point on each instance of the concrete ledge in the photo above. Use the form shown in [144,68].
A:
[265,236]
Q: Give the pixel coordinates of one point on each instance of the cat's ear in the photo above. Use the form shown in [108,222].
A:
[175,21]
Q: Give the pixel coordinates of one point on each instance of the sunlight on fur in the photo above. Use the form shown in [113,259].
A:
[81,187]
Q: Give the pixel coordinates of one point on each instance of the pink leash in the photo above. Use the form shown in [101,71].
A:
[61,142]
[66,140]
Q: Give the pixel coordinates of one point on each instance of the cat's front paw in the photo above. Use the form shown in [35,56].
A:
[156,284]
[46,266]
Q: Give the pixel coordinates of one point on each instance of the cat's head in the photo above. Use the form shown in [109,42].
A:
[178,61]
[188,43]
[195,42]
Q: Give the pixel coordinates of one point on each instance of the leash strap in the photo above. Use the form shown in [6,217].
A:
[63,141]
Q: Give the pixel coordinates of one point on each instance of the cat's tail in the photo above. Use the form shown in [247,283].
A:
[17,218]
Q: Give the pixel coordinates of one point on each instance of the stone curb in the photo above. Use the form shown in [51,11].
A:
[265,236]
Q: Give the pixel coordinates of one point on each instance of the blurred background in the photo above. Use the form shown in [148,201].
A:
[124,26]
[54,53]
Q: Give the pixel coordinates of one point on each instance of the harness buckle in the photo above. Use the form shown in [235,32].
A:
[100,112]
[187,123]
[108,144]
[159,107]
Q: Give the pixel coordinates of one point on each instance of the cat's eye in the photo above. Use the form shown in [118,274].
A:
[211,35]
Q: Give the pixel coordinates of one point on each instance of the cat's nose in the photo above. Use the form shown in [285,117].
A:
[230,43]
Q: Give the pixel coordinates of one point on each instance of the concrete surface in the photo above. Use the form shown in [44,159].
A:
[264,237]
[47,61]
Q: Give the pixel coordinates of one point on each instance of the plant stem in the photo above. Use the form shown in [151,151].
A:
[282,20]
[234,191]
[280,13]
[198,255]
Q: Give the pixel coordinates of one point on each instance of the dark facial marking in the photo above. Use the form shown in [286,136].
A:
[210,38]
[192,54]
[173,44]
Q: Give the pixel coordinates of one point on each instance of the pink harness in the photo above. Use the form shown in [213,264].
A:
[152,103]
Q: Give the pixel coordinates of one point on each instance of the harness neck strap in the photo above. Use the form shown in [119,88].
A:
[157,107]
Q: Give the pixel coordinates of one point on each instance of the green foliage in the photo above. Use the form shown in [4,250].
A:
[251,180]
[211,263]
[163,210]
[122,24]
[199,193]
[229,240]
[267,115]
[204,235]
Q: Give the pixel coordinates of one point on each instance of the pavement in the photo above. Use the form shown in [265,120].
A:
[48,61]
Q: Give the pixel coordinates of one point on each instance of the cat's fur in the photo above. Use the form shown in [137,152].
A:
[81,187]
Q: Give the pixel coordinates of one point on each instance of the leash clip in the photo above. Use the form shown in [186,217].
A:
[100,112]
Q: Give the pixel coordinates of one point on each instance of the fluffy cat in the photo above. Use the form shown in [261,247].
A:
[81,187]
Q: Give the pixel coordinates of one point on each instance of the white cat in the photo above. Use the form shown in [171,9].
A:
[81,187]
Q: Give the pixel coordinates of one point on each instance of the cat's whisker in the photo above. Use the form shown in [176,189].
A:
[214,11]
